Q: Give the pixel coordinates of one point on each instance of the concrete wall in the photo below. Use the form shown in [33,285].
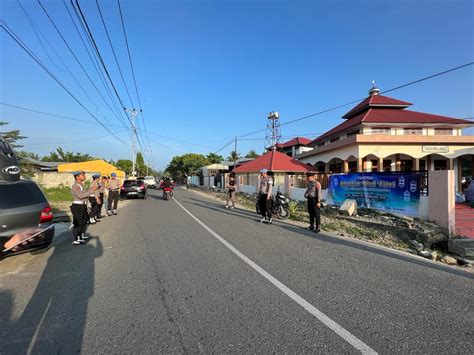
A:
[442,198]
[248,189]
[48,179]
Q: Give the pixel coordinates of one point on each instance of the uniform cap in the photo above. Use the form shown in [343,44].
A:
[96,176]
[78,172]
[113,174]
[263,171]
[310,173]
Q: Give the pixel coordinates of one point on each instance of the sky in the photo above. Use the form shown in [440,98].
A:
[208,71]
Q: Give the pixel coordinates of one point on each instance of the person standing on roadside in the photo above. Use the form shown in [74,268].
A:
[79,207]
[265,196]
[114,191]
[230,192]
[102,186]
[313,197]
[94,200]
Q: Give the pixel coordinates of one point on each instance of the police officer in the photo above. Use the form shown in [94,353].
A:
[313,196]
[101,190]
[265,196]
[114,191]
[79,207]
[94,200]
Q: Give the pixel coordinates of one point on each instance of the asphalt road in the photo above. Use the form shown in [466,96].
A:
[168,277]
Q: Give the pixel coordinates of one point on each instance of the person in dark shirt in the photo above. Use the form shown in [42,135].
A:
[231,192]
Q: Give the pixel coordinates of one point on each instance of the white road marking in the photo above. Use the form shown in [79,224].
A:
[339,330]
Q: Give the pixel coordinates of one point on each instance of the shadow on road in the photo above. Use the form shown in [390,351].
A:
[334,240]
[54,319]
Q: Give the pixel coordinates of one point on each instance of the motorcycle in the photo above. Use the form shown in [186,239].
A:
[279,206]
[167,193]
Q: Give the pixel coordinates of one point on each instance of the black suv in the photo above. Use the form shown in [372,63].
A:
[133,188]
[24,207]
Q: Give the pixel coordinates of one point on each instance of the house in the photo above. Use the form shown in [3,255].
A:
[295,146]
[381,134]
[39,165]
[280,165]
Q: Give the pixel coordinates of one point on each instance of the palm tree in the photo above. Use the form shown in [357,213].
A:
[233,156]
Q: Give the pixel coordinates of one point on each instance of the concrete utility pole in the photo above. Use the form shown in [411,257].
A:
[235,150]
[133,114]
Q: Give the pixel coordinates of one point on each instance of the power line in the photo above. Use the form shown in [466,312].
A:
[94,60]
[73,54]
[180,141]
[133,71]
[52,114]
[78,141]
[359,100]
[96,48]
[13,35]
[113,52]
[38,32]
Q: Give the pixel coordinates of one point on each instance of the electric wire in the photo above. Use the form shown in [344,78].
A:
[93,59]
[73,54]
[113,52]
[25,48]
[133,71]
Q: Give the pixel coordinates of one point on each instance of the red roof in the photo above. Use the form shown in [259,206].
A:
[376,101]
[294,142]
[386,111]
[273,161]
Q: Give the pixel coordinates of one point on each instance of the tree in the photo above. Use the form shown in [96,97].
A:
[214,158]
[11,136]
[252,154]
[124,165]
[186,164]
[233,156]
[63,156]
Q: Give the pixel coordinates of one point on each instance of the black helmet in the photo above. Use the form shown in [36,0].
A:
[9,169]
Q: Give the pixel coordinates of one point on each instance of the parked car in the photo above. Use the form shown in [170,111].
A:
[150,182]
[23,211]
[133,188]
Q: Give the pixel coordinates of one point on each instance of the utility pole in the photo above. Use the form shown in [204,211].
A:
[133,114]
[235,151]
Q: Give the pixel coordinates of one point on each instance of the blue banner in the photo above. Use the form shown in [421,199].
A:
[396,192]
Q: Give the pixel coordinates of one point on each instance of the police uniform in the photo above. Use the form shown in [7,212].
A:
[313,196]
[94,200]
[264,198]
[114,193]
[101,191]
[79,210]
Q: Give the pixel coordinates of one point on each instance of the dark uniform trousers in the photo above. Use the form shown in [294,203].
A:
[80,217]
[314,212]
[265,205]
[113,198]
[94,207]
[101,204]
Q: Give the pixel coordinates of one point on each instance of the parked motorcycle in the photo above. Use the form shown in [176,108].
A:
[167,193]
[279,206]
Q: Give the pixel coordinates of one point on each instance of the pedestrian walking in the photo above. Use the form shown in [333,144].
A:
[313,197]
[114,193]
[230,192]
[79,207]
[102,187]
[265,196]
[94,200]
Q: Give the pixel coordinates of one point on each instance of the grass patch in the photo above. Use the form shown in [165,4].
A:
[57,194]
